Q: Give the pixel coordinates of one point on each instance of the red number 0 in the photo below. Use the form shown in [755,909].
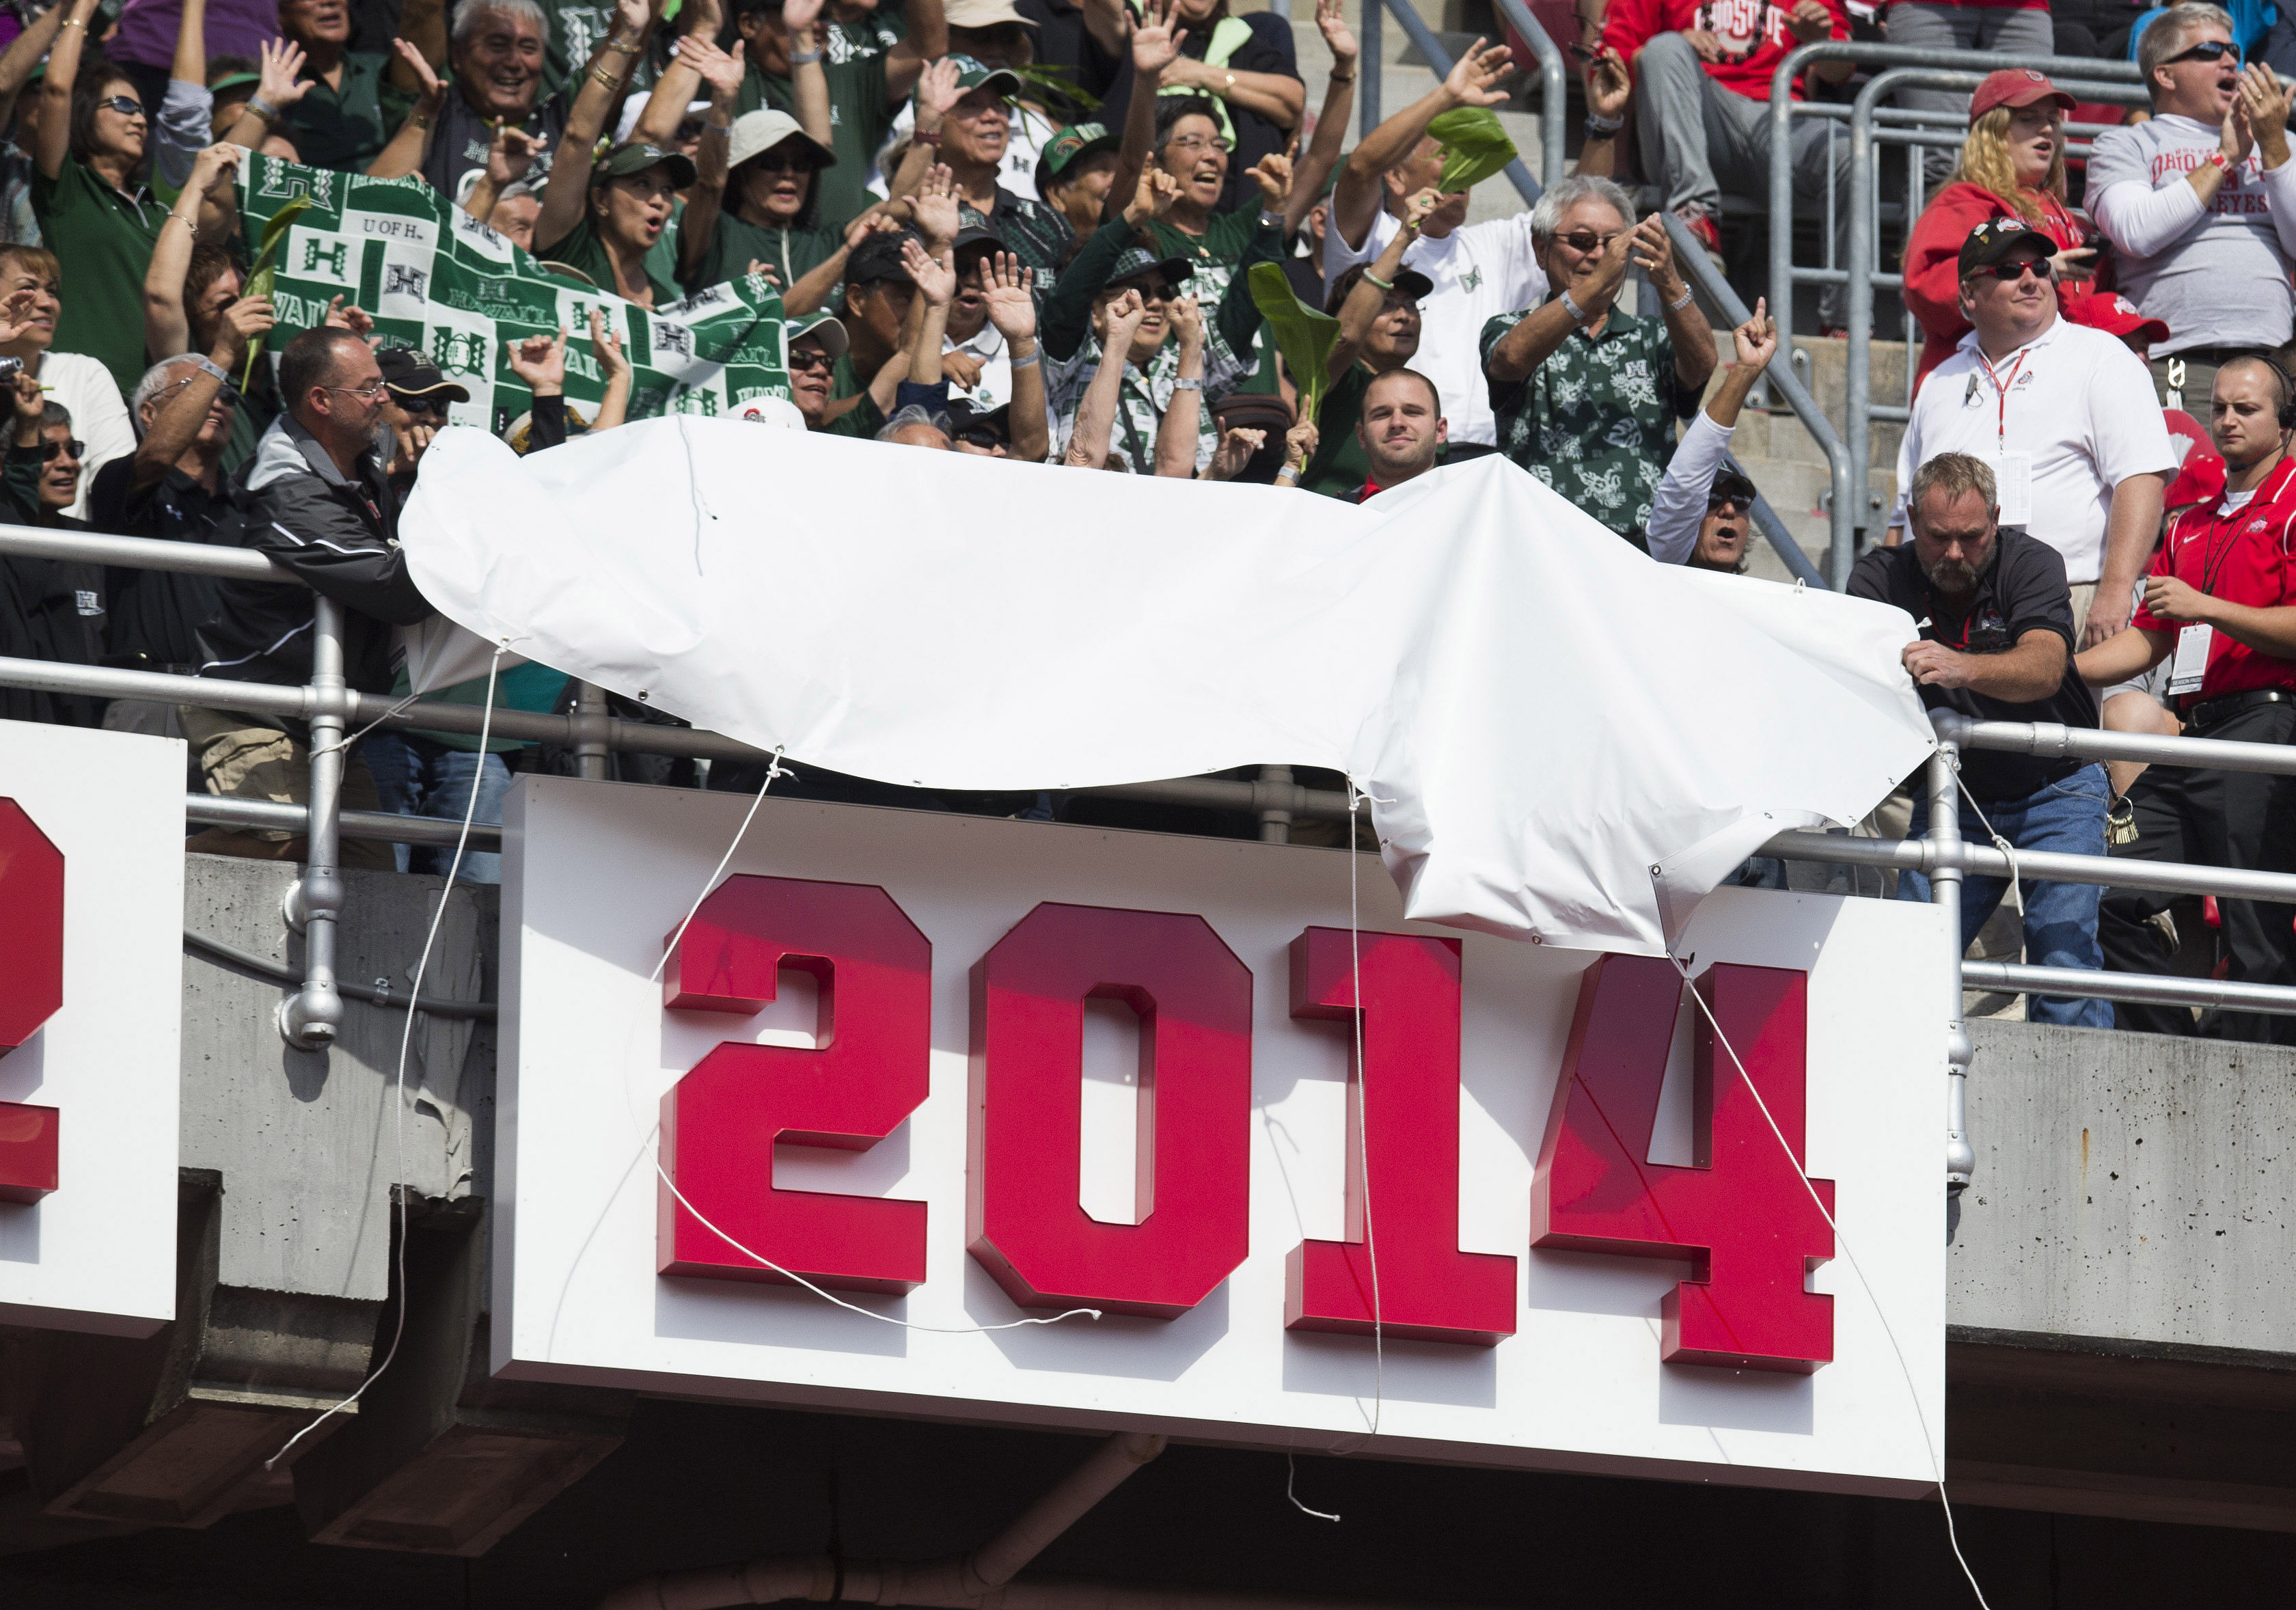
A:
[1739,1213]
[719,1123]
[31,990]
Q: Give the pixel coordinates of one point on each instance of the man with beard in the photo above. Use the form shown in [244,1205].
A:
[1997,640]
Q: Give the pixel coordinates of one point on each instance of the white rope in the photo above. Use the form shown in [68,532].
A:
[406,1039]
[1937,1468]
[398,709]
[775,769]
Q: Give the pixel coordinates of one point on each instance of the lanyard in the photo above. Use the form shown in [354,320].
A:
[2214,558]
[2000,391]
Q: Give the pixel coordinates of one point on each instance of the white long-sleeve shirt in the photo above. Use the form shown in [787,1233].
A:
[1678,506]
[2216,273]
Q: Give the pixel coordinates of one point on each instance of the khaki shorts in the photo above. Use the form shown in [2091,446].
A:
[244,757]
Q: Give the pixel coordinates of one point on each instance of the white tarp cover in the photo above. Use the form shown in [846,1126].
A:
[1562,740]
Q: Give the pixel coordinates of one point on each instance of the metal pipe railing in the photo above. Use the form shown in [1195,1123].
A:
[1367,69]
[1553,92]
[1439,62]
[309,1018]
[1553,88]
[1691,256]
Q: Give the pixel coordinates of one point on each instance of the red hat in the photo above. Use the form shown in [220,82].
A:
[2201,474]
[2015,86]
[2114,315]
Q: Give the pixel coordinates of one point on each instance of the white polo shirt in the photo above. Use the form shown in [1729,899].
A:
[1478,273]
[2065,418]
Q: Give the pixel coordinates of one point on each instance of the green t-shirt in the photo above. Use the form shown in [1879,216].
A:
[791,253]
[346,127]
[532,687]
[583,251]
[1340,466]
[104,240]
[858,122]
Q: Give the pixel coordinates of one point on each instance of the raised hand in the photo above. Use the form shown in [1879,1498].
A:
[1124,317]
[938,92]
[433,93]
[1336,37]
[1274,173]
[1757,340]
[30,403]
[1653,254]
[279,74]
[1155,42]
[1152,196]
[1007,288]
[1473,77]
[1236,445]
[1811,22]
[540,361]
[1187,322]
[935,274]
[2237,139]
[246,322]
[509,155]
[2266,102]
[350,316]
[15,315]
[1609,85]
[1420,207]
[1300,443]
[720,70]
[632,16]
[799,16]
[934,205]
[607,347]
[213,167]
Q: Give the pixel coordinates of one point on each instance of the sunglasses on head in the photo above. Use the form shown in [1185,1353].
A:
[126,106]
[810,358]
[1587,240]
[2038,267]
[69,449]
[2209,50]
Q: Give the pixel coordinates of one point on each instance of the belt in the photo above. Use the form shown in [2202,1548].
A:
[2210,711]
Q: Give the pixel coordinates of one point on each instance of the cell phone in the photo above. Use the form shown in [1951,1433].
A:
[1581,52]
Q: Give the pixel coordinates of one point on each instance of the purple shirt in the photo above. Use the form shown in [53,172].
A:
[236,28]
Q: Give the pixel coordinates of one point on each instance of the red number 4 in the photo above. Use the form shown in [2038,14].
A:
[1739,1213]
[31,990]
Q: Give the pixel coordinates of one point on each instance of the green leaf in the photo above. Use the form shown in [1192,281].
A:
[264,272]
[1474,147]
[1304,336]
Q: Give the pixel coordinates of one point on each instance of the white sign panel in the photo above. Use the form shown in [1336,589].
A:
[960,1073]
[90,1004]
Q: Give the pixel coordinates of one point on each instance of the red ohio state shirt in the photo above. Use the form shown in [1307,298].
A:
[2241,558]
[1754,35]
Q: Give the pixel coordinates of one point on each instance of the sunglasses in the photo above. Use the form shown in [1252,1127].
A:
[69,449]
[2017,270]
[979,436]
[126,106]
[810,358]
[1720,501]
[783,162]
[1151,291]
[2209,50]
[422,407]
[1587,240]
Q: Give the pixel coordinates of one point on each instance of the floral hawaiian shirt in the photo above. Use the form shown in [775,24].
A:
[1595,421]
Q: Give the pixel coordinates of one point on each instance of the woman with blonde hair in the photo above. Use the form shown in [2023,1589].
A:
[2013,161]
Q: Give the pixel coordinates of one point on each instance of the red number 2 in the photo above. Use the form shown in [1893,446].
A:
[31,990]
[1739,1213]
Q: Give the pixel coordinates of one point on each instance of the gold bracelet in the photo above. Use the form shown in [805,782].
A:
[604,79]
[72,22]
[627,49]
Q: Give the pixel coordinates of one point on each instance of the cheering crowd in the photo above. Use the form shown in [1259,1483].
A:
[1029,228]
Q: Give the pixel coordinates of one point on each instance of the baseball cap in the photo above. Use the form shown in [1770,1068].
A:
[409,374]
[234,81]
[983,13]
[976,234]
[2115,315]
[756,133]
[878,257]
[1071,147]
[1996,238]
[777,411]
[963,416]
[1138,260]
[1729,483]
[626,159]
[972,73]
[2014,87]
[824,328]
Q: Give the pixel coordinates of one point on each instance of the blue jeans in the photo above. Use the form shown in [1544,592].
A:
[419,776]
[2067,817]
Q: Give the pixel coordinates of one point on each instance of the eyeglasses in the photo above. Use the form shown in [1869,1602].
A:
[368,392]
[1202,142]
[69,449]
[1151,291]
[2209,50]
[1720,501]
[784,161]
[1587,240]
[801,359]
[126,106]
[980,436]
[2018,270]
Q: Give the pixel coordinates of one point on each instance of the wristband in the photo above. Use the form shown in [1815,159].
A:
[1603,128]
[1372,279]
[263,108]
[627,49]
[1680,303]
[1187,385]
[1340,78]
[1030,362]
[1287,476]
[207,366]
[925,136]
[1578,314]
[1270,220]
[804,58]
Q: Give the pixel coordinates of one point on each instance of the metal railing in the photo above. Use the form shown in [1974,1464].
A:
[1913,67]
[311,1015]
[1553,89]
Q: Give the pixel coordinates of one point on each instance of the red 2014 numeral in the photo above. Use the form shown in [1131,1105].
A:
[1740,1213]
[720,1122]
[31,990]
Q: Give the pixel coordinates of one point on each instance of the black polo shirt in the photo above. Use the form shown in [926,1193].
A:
[155,615]
[2022,589]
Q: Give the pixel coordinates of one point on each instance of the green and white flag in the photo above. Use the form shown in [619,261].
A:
[437,280]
